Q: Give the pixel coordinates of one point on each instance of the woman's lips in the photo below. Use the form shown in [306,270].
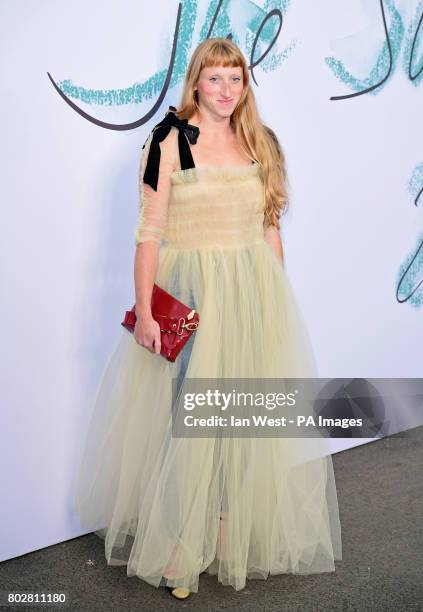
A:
[225,101]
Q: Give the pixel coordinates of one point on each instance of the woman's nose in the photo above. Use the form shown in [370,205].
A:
[226,90]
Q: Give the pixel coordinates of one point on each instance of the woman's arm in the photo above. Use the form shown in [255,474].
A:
[272,237]
[150,230]
[147,330]
[145,270]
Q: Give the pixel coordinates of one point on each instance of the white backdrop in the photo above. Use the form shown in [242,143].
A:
[69,193]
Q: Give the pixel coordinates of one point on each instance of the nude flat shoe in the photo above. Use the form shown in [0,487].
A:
[179,592]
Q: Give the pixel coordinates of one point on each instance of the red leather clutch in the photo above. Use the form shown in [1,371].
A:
[177,321]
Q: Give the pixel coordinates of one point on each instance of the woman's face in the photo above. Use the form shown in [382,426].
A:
[219,89]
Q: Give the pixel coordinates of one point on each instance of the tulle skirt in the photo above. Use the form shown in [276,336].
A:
[172,507]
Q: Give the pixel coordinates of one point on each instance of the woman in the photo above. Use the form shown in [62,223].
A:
[212,187]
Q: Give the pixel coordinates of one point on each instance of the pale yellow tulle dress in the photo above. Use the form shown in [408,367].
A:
[158,500]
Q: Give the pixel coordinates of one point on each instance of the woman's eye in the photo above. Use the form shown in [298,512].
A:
[214,79]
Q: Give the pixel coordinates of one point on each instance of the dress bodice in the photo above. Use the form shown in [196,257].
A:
[214,206]
[192,207]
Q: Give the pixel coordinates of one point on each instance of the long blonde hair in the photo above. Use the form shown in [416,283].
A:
[257,140]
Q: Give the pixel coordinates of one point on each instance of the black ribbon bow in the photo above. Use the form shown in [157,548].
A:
[160,131]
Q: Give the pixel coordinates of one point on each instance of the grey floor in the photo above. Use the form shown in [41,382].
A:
[381,507]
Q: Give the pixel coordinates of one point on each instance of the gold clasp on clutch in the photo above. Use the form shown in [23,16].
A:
[179,327]
[183,325]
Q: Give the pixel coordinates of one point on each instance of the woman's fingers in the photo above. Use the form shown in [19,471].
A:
[147,334]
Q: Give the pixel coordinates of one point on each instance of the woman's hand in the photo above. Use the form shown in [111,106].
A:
[147,333]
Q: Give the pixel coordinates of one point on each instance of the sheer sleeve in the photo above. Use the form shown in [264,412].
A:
[153,205]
